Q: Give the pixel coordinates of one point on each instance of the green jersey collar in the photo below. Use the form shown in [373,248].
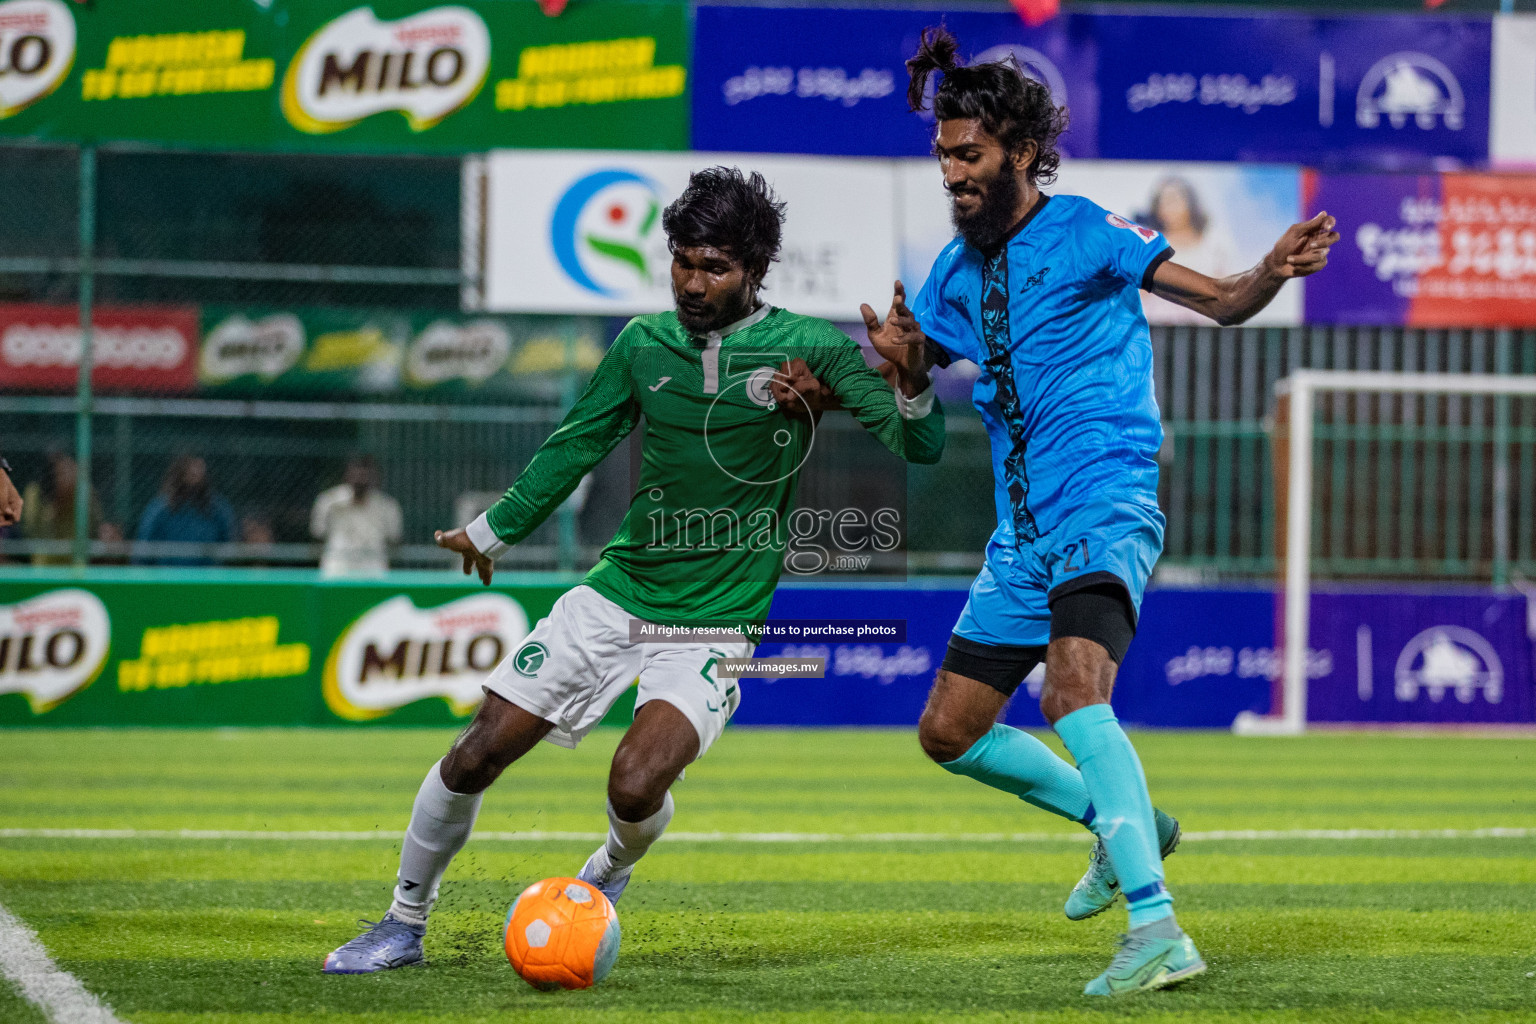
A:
[756,316]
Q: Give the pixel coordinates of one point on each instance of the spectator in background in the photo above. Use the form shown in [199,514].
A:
[49,508]
[357,521]
[10,502]
[188,511]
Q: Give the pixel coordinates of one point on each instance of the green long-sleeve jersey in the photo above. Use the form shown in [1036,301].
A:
[704,539]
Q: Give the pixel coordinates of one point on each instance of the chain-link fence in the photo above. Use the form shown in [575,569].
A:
[364,253]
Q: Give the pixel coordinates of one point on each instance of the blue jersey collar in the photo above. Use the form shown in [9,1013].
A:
[1023,223]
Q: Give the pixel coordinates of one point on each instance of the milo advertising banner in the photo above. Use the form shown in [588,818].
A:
[320,351]
[270,649]
[334,74]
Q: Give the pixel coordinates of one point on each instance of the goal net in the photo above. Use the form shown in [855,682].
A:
[1397,477]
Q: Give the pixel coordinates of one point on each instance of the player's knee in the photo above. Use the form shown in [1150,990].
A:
[638,795]
[944,737]
[637,787]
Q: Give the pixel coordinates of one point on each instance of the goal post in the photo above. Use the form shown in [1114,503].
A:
[1301,389]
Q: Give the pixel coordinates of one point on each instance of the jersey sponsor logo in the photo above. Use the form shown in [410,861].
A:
[530,658]
[52,646]
[1449,659]
[37,47]
[1034,279]
[1410,84]
[395,654]
[426,66]
[1145,234]
[606,235]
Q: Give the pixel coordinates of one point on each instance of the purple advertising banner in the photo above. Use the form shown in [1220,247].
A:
[1200,657]
[834,81]
[1390,228]
[1442,657]
[1388,92]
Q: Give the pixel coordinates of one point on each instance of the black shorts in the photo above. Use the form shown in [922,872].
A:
[1101,613]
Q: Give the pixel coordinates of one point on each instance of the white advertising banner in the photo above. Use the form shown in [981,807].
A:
[1219,218]
[1512,131]
[580,232]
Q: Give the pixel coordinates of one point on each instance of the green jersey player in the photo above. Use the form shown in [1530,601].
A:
[702,546]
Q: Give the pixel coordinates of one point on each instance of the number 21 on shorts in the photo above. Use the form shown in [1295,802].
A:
[1077,555]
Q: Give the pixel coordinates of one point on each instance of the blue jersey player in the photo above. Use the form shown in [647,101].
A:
[1043,293]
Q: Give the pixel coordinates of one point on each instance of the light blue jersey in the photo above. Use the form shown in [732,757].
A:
[1053,318]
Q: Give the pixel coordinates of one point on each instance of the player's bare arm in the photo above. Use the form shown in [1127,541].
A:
[1300,252]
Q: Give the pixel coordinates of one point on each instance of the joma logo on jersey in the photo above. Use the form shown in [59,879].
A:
[425,66]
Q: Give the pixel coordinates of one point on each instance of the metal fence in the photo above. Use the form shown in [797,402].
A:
[276,231]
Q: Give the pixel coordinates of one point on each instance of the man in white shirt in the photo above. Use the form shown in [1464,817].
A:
[357,521]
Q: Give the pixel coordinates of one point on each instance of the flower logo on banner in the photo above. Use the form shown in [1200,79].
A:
[606,235]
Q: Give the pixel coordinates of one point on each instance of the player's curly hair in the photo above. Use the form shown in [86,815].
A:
[1010,105]
[730,211]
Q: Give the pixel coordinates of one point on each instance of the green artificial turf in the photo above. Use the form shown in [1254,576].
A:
[843,929]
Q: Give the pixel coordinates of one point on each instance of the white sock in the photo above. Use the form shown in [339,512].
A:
[441,821]
[628,840]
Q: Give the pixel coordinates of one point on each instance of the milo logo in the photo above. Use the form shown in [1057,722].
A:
[267,348]
[37,47]
[52,646]
[447,351]
[396,653]
[426,66]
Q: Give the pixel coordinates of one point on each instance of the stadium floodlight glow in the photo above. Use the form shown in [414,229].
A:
[1303,386]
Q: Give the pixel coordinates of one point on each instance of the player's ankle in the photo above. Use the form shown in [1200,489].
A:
[414,914]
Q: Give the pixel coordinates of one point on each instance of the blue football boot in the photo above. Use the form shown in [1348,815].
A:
[1098,889]
[1153,956]
[600,873]
[387,944]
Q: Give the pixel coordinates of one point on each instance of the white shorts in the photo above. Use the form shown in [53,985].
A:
[580,659]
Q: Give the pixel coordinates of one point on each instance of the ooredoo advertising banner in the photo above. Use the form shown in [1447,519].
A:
[581,232]
[1373,91]
[133,348]
[336,74]
[1451,250]
[816,80]
[1219,218]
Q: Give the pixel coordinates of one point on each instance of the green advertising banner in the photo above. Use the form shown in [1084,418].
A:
[250,352]
[389,75]
[149,648]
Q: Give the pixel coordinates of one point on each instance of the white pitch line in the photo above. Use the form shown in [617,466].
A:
[1260,835]
[56,992]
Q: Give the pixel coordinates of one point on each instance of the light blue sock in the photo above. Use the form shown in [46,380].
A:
[1015,762]
[1112,772]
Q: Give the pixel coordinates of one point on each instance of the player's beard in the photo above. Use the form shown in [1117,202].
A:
[711,316]
[994,216]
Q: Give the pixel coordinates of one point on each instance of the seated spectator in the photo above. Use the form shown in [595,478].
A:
[357,521]
[186,510]
[48,508]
